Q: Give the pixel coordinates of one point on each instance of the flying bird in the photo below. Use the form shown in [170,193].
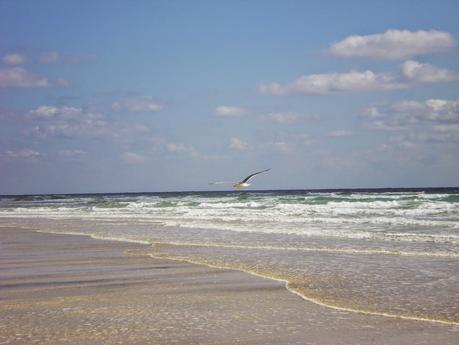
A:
[241,184]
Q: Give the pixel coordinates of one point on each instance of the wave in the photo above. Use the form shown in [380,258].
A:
[389,216]
[363,228]
[315,249]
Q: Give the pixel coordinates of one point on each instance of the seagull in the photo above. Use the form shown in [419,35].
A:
[242,184]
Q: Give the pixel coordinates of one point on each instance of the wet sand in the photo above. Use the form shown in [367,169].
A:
[64,289]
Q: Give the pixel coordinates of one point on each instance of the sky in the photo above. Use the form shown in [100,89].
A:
[151,96]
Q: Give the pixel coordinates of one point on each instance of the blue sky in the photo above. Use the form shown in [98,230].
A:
[116,96]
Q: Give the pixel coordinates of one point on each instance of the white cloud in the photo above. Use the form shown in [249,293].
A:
[132,158]
[447,132]
[390,125]
[372,112]
[399,114]
[406,144]
[326,83]
[438,134]
[49,57]
[340,133]
[14,59]
[433,120]
[416,72]
[52,57]
[280,146]
[237,144]
[22,153]
[20,77]
[63,129]
[70,122]
[431,110]
[179,148]
[229,111]
[137,104]
[412,73]
[164,147]
[134,129]
[46,112]
[447,128]
[283,117]
[394,44]
[71,153]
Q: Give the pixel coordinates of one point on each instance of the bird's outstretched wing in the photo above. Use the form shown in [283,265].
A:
[252,175]
[223,182]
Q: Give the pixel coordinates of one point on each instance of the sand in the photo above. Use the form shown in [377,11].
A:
[64,289]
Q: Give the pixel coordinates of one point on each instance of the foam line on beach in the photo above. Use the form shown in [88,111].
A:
[312,249]
[96,237]
[237,246]
[284,281]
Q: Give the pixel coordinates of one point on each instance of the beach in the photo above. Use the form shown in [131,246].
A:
[67,289]
[229,172]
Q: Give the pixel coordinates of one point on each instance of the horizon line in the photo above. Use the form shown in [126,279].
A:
[356,189]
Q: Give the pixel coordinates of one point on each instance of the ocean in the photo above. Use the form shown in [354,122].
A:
[392,252]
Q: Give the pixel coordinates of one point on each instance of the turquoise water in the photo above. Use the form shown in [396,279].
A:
[391,252]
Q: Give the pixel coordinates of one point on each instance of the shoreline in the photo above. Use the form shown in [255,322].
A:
[191,289]
[310,299]
[256,274]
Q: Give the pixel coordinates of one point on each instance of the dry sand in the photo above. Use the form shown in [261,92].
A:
[63,289]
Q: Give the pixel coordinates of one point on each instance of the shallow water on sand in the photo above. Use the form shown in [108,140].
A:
[382,252]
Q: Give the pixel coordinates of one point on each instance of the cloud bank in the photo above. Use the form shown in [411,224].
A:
[137,104]
[14,59]
[417,73]
[22,153]
[320,84]
[394,44]
[434,120]
[229,111]
[20,77]
[283,117]
[71,122]
[132,158]
[411,74]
